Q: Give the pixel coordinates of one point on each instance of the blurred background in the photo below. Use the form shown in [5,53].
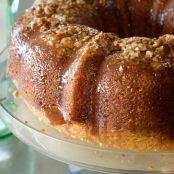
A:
[9,9]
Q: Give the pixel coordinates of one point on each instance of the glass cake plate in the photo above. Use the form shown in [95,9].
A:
[47,140]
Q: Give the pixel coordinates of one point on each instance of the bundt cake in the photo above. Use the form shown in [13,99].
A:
[99,70]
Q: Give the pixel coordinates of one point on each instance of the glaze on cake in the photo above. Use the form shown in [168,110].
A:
[96,71]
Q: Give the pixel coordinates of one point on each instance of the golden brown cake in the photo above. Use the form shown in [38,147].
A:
[101,71]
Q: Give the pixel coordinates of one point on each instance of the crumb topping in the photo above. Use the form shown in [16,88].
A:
[59,27]
[154,50]
[54,14]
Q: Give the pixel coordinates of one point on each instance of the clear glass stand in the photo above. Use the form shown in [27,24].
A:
[78,170]
[52,143]
[4,132]
[14,153]
[8,13]
[3,129]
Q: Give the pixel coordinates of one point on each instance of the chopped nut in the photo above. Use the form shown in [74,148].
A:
[149,53]
[133,54]
[43,21]
[142,47]
[38,11]
[40,21]
[133,45]
[160,49]
[137,49]
[33,25]
[54,22]
[48,10]
[67,42]
[43,28]
[158,42]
